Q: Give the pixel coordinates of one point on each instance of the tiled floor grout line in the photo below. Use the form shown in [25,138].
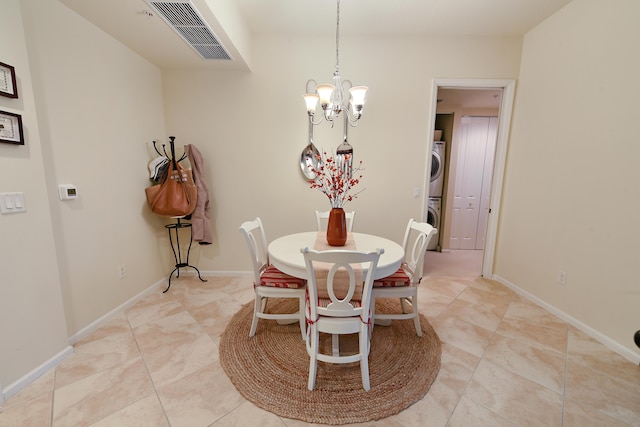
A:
[564,380]
[146,367]
[53,398]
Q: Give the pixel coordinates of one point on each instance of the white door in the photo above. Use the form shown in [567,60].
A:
[485,194]
[476,148]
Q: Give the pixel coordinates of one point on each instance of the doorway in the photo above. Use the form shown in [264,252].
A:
[506,89]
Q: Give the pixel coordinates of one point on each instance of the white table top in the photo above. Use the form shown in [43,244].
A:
[285,255]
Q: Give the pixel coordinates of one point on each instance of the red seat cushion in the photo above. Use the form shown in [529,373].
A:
[277,279]
[399,278]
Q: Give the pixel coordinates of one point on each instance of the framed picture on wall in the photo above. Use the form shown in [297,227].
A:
[8,85]
[11,128]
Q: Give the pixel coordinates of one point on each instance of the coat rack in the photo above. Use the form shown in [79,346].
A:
[174,237]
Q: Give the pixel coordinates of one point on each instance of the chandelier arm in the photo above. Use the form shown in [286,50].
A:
[312,88]
[311,122]
[353,121]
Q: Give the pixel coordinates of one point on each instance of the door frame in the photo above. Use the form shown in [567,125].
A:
[504,124]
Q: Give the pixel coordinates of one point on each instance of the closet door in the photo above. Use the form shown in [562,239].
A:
[471,197]
[487,175]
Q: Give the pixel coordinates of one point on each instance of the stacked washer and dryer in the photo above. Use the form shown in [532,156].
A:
[436,186]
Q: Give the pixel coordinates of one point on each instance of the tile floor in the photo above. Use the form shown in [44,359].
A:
[505,362]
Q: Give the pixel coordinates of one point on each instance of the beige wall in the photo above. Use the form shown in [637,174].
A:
[101,105]
[252,128]
[32,318]
[91,107]
[570,200]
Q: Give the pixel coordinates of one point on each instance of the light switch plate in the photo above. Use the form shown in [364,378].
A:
[12,203]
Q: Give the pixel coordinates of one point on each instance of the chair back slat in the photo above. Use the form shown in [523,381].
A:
[336,274]
[343,270]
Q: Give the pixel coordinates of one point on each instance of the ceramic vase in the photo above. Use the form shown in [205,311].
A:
[337,227]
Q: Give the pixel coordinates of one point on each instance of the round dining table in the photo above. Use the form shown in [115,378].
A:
[285,255]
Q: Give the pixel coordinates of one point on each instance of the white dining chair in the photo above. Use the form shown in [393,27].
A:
[269,282]
[333,284]
[322,218]
[403,284]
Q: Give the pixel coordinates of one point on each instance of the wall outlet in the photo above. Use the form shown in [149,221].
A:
[122,270]
[562,277]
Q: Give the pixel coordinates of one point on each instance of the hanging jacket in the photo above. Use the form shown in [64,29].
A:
[200,219]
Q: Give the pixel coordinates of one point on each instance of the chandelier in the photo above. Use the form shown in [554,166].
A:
[332,96]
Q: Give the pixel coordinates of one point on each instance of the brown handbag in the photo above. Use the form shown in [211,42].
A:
[176,195]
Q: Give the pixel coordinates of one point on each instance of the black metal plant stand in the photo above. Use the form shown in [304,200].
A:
[174,239]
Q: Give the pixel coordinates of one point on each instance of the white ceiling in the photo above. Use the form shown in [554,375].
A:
[413,17]
[126,21]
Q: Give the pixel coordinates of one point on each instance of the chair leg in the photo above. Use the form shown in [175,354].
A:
[381,322]
[402,304]
[256,309]
[364,356]
[335,345]
[416,316]
[303,320]
[313,357]
[373,316]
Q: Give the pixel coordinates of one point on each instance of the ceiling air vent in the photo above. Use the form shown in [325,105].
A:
[185,20]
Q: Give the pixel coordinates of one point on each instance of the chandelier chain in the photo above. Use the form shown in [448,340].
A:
[338,37]
[332,96]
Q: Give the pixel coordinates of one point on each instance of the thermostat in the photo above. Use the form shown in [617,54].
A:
[68,192]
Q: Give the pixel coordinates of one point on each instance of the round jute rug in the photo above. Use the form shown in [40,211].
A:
[271,368]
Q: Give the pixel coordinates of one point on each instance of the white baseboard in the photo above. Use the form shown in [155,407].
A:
[27,379]
[84,332]
[603,339]
[101,321]
[24,381]
[162,283]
